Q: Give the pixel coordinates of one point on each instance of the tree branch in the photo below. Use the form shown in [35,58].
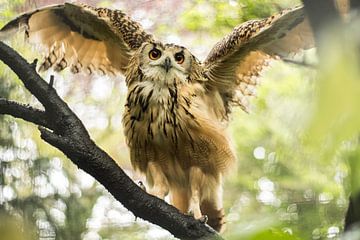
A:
[70,136]
[24,112]
[321,13]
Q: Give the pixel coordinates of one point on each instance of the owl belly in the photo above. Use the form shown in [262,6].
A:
[174,133]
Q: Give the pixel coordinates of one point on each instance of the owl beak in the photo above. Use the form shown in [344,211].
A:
[167,64]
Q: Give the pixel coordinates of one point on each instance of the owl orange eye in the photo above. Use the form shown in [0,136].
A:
[179,58]
[154,54]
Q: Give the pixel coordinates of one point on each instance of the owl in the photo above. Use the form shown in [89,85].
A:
[177,108]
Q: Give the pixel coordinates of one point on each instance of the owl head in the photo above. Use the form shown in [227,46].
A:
[163,64]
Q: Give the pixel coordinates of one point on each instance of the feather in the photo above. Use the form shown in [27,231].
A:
[238,59]
[81,37]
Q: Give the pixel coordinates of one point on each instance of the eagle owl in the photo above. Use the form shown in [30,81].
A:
[177,107]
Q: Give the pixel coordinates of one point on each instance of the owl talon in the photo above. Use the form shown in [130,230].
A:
[204,219]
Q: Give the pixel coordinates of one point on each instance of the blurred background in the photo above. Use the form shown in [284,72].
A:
[297,148]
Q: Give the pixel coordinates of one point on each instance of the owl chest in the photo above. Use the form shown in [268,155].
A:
[157,116]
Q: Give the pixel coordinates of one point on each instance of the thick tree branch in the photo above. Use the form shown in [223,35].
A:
[70,136]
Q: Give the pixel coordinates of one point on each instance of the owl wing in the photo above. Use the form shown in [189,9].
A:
[235,62]
[81,37]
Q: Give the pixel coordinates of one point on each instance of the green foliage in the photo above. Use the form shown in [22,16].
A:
[277,178]
[335,122]
[335,118]
[219,17]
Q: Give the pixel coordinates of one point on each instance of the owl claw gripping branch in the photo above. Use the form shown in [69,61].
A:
[177,107]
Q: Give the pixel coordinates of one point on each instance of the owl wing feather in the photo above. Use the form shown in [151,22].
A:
[235,62]
[81,37]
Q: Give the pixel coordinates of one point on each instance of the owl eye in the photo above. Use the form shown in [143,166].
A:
[179,58]
[154,54]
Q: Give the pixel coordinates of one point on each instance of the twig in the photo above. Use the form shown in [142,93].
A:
[300,63]
[51,83]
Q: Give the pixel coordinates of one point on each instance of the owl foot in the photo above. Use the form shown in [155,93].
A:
[203,219]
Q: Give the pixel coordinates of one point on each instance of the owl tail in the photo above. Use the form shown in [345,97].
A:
[216,217]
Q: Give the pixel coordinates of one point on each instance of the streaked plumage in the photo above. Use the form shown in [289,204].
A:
[177,108]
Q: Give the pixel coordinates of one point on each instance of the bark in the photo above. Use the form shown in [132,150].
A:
[61,128]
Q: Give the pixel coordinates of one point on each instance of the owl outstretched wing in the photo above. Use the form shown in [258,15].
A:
[81,37]
[235,62]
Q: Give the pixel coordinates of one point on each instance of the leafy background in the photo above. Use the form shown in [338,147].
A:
[297,149]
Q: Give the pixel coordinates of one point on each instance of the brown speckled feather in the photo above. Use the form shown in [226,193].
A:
[236,61]
[82,37]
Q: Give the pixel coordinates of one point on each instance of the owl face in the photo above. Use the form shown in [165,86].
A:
[165,62]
